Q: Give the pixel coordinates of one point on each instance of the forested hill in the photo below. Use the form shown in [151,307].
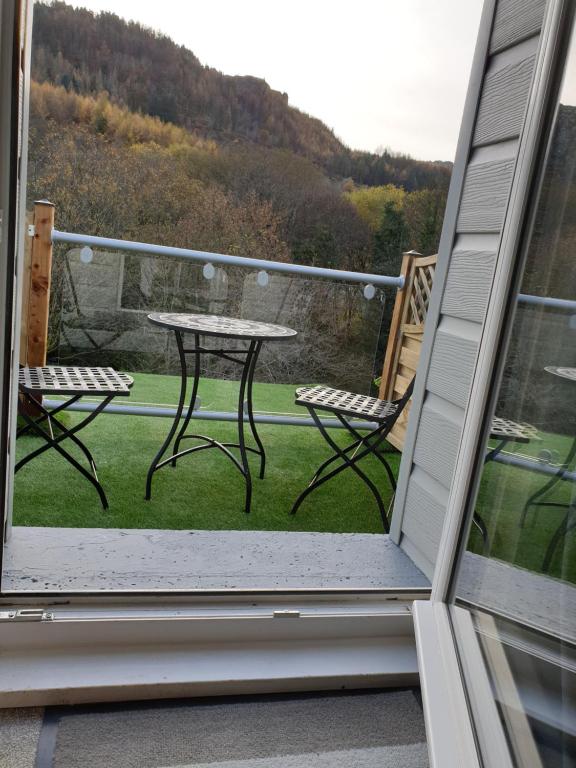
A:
[148,73]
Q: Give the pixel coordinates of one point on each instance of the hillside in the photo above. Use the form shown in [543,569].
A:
[148,73]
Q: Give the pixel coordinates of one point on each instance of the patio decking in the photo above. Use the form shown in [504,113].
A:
[93,559]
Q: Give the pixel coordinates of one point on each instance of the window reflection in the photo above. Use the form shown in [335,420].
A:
[526,507]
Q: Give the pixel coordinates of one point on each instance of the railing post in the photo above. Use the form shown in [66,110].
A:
[36,288]
[402,296]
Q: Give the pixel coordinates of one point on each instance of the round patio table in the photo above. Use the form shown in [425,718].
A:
[252,332]
[569,520]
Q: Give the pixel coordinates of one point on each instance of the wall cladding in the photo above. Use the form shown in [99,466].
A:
[448,362]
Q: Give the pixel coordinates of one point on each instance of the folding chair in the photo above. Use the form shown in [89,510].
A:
[348,404]
[74,383]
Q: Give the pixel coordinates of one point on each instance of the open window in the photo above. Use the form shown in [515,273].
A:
[499,639]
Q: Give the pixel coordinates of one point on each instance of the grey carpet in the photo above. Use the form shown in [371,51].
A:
[19,732]
[364,730]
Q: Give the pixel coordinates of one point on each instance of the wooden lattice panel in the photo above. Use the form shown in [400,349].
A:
[422,281]
[406,334]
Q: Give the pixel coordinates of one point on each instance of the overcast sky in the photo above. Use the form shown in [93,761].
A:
[381,73]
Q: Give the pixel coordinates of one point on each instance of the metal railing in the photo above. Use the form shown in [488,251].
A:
[369,280]
[287,268]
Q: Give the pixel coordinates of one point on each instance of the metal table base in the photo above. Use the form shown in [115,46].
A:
[247,359]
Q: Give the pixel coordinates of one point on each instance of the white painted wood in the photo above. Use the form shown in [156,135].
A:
[518,728]
[487,721]
[453,360]
[515,21]
[444,253]
[186,623]
[415,552]
[451,742]
[437,441]
[12,199]
[101,672]
[466,477]
[485,195]
[468,284]
[92,559]
[503,102]
[425,509]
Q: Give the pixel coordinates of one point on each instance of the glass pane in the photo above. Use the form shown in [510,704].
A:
[518,573]
[99,316]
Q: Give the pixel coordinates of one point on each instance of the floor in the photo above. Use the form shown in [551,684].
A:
[92,559]
[19,733]
[363,729]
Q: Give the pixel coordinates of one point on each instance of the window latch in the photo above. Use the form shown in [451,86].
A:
[26,614]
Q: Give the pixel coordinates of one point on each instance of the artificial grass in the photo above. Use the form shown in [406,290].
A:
[206,492]
[503,493]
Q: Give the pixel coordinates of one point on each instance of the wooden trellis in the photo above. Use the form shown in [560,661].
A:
[406,333]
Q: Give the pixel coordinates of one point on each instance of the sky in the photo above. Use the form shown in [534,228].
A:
[380,73]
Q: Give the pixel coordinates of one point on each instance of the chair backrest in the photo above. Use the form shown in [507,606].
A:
[405,337]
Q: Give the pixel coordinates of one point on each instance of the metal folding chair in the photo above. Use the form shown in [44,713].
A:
[76,383]
[348,404]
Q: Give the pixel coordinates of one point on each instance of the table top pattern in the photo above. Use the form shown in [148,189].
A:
[227,327]
[64,380]
[564,373]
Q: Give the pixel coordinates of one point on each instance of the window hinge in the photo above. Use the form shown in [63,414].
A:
[26,614]
[31,230]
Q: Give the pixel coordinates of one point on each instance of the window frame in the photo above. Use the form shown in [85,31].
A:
[442,621]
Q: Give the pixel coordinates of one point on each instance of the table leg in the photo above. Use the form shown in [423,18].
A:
[244,388]
[567,524]
[248,363]
[177,417]
[533,500]
[252,367]
[195,384]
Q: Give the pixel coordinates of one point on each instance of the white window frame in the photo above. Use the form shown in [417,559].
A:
[455,680]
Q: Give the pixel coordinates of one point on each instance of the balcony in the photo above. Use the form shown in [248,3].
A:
[193,533]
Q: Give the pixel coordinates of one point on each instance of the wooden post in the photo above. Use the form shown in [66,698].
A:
[36,303]
[398,314]
[36,277]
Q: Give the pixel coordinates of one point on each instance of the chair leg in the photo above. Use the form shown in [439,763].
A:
[346,462]
[363,440]
[66,434]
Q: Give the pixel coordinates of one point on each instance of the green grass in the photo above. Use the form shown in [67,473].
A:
[503,492]
[205,491]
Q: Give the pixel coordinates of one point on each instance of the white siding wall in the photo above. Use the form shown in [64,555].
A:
[468,253]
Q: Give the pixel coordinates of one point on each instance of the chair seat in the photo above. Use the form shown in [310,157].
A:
[63,380]
[345,403]
[505,429]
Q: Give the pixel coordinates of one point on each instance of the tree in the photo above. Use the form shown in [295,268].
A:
[371,202]
[390,240]
[424,212]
